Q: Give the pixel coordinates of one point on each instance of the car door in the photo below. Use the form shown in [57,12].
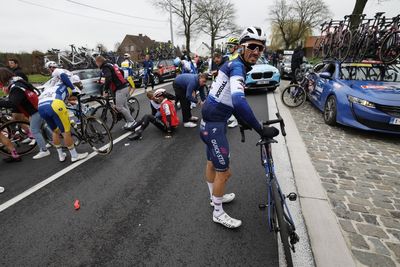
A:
[171,68]
[323,85]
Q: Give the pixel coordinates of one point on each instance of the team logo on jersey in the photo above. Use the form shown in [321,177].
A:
[222,86]
[214,130]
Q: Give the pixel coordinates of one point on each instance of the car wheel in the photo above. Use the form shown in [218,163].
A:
[330,110]
[157,79]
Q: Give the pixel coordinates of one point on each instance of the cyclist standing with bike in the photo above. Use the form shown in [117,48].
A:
[25,101]
[128,66]
[53,110]
[114,82]
[227,97]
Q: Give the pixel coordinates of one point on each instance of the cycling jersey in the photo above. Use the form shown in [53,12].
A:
[167,108]
[226,96]
[60,87]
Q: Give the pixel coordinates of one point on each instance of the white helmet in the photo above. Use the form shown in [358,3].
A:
[159,92]
[126,55]
[252,33]
[50,64]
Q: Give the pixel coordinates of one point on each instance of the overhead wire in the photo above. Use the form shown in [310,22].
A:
[85,16]
[115,12]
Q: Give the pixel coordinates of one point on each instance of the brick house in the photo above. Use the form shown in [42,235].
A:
[308,45]
[138,45]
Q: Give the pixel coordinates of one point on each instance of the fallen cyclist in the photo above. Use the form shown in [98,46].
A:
[165,118]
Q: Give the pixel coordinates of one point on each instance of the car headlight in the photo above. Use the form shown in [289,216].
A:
[360,101]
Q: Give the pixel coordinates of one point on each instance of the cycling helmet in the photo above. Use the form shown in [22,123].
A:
[252,33]
[50,64]
[177,61]
[126,55]
[233,40]
[159,92]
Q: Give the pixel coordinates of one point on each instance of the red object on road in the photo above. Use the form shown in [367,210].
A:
[77,205]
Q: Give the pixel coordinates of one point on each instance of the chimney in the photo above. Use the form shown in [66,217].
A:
[140,35]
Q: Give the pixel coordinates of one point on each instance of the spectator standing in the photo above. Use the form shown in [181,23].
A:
[148,75]
[297,60]
[13,65]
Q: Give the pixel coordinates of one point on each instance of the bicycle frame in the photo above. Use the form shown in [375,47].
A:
[268,163]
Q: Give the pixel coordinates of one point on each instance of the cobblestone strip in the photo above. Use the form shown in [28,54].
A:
[360,172]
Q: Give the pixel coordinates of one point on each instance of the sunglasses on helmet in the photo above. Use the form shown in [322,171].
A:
[253,47]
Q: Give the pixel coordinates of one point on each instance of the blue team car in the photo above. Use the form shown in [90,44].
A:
[361,95]
[263,75]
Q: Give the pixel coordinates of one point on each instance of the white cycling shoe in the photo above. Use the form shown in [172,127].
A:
[80,156]
[62,157]
[227,221]
[225,199]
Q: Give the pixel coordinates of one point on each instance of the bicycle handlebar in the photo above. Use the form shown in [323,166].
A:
[269,122]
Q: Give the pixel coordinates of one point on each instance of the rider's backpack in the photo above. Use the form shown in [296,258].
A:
[30,94]
[117,73]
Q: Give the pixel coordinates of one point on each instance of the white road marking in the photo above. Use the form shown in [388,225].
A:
[57,175]
[52,178]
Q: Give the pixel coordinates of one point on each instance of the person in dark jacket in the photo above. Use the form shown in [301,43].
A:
[297,60]
[13,65]
[184,86]
[117,86]
[148,76]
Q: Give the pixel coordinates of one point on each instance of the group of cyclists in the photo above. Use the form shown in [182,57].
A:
[224,105]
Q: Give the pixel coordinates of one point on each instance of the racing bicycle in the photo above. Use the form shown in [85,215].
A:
[17,132]
[279,218]
[294,95]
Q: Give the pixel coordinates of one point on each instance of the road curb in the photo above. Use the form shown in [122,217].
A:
[327,241]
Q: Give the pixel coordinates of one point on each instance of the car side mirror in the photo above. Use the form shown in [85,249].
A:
[325,75]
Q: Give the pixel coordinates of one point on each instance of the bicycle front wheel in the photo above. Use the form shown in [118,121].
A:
[282,224]
[98,136]
[106,114]
[293,95]
[18,133]
[134,106]
[390,48]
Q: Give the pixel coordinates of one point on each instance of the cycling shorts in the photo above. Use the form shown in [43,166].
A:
[55,113]
[213,135]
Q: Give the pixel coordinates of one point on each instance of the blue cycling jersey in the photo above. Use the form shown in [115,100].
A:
[226,96]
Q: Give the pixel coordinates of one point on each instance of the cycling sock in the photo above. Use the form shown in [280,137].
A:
[73,152]
[218,210]
[210,188]
[59,151]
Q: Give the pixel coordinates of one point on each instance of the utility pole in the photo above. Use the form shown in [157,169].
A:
[170,26]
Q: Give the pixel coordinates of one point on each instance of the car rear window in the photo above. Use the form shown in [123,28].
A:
[370,73]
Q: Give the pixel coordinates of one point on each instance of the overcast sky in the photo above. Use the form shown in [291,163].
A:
[25,27]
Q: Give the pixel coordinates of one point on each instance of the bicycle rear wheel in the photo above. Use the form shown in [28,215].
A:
[282,224]
[98,136]
[293,95]
[134,106]
[18,133]
[344,46]
[106,114]
[390,48]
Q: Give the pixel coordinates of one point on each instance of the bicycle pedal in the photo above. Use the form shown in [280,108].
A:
[262,206]
[294,238]
[292,196]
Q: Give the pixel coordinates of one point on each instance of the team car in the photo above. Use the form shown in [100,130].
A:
[263,75]
[362,95]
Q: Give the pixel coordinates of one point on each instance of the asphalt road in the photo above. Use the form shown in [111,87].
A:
[144,204]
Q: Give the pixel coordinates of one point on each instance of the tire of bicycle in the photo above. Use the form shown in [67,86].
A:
[299,101]
[9,130]
[362,48]
[134,106]
[106,114]
[393,39]
[344,47]
[282,224]
[95,129]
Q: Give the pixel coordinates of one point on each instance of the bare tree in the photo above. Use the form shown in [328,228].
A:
[294,18]
[186,11]
[358,10]
[217,19]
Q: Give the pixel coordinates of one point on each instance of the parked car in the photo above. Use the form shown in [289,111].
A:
[284,66]
[88,78]
[163,69]
[361,95]
[263,75]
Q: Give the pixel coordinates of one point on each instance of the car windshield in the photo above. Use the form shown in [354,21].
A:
[368,72]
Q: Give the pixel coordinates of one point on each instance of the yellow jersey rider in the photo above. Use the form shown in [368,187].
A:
[53,110]
[127,66]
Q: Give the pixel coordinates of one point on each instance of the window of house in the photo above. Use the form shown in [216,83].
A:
[132,48]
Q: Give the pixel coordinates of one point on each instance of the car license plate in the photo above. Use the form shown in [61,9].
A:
[263,82]
[395,121]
